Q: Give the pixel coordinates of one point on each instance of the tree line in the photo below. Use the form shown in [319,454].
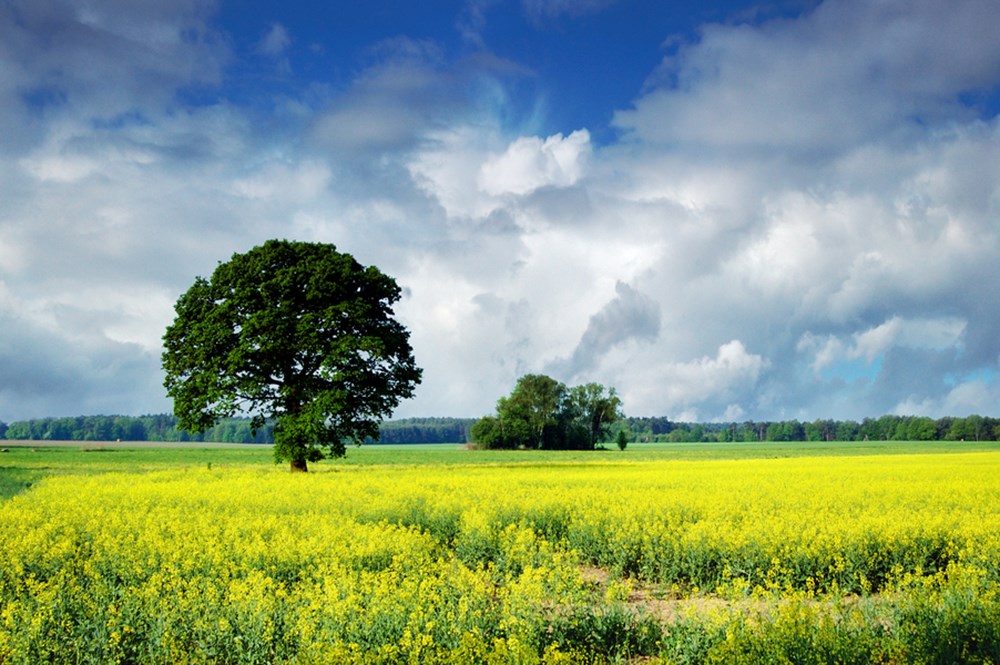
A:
[885,428]
[425,430]
[163,427]
[158,427]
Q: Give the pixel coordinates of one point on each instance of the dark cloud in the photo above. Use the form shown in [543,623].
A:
[48,374]
[108,57]
[629,316]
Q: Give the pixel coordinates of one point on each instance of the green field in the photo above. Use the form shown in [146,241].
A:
[26,461]
[862,552]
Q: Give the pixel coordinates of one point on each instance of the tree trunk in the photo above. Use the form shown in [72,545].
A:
[299,466]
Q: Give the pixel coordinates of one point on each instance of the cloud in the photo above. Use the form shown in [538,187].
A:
[466,173]
[849,71]
[974,397]
[408,93]
[797,219]
[628,316]
[51,367]
[108,57]
[706,388]
[472,21]
[871,344]
[275,42]
[530,163]
[540,11]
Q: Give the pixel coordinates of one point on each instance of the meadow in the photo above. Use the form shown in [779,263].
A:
[881,552]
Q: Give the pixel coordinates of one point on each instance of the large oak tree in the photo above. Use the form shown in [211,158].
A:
[293,332]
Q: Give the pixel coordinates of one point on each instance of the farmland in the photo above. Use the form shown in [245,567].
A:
[880,552]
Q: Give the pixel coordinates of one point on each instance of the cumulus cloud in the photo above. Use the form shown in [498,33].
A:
[628,316]
[849,72]
[711,387]
[798,218]
[49,364]
[825,208]
[870,344]
[530,163]
[974,397]
[465,173]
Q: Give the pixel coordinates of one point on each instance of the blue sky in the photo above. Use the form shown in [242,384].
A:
[572,64]
[728,211]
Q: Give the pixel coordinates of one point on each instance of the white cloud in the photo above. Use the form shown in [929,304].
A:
[276,41]
[967,398]
[462,170]
[848,72]
[530,163]
[282,181]
[704,388]
[872,343]
[714,377]
[446,167]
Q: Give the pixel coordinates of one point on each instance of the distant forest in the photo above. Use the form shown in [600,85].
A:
[456,430]
[886,428]
[163,427]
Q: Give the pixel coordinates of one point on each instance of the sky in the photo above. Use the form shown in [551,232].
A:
[727,210]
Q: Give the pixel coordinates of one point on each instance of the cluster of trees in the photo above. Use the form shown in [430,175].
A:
[542,413]
[886,428]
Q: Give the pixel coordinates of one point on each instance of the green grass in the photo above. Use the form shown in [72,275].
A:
[28,462]
[14,480]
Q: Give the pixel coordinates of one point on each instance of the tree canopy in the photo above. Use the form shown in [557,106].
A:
[296,333]
[543,413]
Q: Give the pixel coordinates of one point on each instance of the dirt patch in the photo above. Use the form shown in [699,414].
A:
[670,605]
[672,610]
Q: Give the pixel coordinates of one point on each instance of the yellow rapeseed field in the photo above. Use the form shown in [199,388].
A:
[818,559]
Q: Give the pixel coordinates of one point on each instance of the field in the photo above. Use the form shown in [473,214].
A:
[780,553]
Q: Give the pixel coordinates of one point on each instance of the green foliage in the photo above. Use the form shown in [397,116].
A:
[542,413]
[597,407]
[426,430]
[487,433]
[164,427]
[160,427]
[621,439]
[296,333]
[958,623]
[532,410]
[14,481]
[605,634]
[885,428]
